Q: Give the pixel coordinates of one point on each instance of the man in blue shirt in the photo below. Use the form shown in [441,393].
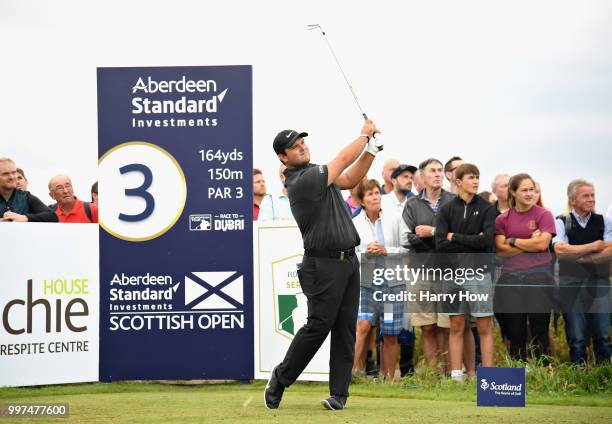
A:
[276,207]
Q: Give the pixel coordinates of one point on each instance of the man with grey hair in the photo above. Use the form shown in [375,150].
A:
[17,205]
[417,231]
[583,245]
[68,208]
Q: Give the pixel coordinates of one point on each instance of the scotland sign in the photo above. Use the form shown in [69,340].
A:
[500,386]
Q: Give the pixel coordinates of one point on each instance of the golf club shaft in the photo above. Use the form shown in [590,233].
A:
[365,117]
[315,26]
[344,75]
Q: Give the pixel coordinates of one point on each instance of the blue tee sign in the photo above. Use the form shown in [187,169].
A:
[500,386]
[176,256]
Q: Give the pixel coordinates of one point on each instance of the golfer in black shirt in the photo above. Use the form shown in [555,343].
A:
[329,272]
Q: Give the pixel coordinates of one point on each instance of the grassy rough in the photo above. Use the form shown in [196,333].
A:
[555,379]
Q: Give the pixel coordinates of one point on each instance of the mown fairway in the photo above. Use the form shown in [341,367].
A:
[163,403]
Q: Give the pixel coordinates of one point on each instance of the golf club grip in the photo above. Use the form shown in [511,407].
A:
[377,141]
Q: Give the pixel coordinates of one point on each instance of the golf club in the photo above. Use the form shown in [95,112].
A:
[377,141]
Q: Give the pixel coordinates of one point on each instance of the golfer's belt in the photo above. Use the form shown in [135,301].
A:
[330,254]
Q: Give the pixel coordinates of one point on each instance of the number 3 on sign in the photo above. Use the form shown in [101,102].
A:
[139,191]
[140,200]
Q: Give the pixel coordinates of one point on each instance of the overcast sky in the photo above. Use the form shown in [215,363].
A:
[513,86]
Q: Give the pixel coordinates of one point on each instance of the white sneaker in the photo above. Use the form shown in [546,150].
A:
[457,375]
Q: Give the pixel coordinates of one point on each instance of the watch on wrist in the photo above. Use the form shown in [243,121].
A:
[512,241]
[433,231]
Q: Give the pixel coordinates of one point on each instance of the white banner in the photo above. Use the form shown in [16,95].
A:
[280,305]
[49,303]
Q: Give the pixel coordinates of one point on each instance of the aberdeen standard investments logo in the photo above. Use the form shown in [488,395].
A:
[179,102]
[210,300]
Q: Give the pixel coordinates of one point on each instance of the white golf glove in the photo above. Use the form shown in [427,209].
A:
[375,145]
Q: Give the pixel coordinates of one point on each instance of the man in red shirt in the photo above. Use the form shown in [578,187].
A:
[68,207]
[259,191]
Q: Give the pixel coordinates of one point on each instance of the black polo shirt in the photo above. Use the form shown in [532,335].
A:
[318,208]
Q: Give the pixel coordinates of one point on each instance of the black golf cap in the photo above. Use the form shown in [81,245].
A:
[403,168]
[285,139]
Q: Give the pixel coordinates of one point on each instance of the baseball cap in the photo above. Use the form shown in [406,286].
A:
[285,139]
[401,169]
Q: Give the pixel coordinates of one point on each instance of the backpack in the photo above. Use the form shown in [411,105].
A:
[87,206]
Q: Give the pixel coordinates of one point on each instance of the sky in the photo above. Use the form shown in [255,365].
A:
[521,86]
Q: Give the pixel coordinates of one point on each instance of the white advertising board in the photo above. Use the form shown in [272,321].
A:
[49,304]
[280,305]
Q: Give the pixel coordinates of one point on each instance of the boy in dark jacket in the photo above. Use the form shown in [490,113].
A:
[465,229]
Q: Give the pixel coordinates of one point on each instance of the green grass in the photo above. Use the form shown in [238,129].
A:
[559,393]
[550,384]
[405,401]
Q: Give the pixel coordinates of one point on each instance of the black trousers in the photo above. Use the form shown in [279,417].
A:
[517,332]
[332,289]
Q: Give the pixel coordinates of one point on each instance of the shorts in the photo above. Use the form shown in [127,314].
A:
[473,297]
[426,312]
[391,314]
[420,319]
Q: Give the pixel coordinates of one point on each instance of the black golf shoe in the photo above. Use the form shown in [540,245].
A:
[332,403]
[273,393]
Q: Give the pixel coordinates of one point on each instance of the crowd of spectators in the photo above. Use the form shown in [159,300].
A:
[560,264]
[17,204]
